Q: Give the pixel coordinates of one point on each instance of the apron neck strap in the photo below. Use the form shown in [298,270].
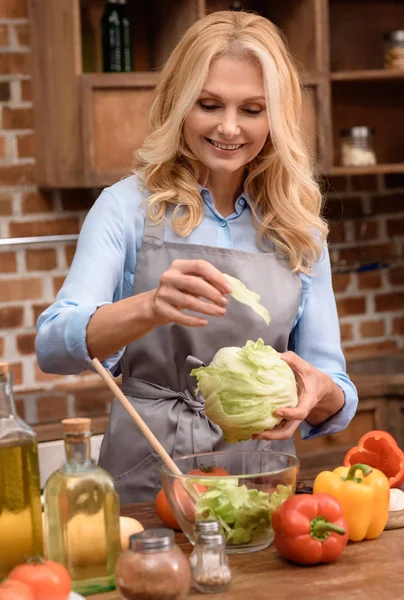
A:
[153,232]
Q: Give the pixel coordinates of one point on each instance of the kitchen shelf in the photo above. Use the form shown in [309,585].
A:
[380,169]
[368,75]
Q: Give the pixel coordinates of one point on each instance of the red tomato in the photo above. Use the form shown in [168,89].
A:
[15,590]
[164,512]
[46,578]
[210,471]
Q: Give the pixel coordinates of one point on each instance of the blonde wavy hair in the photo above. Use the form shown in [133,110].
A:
[280,179]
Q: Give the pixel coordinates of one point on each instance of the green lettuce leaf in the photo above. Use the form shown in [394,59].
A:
[242,294]
[244,514]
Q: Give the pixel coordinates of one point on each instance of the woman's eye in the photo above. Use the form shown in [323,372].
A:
[207,106]
[251,112]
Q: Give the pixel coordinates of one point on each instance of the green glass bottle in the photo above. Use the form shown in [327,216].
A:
[126,52]
[111,38]
[82,515]
[20,493]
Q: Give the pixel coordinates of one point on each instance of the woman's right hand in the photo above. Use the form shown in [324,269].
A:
[194,285]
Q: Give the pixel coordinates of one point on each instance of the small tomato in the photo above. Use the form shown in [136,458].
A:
[210,471]
[46,578]
[164,512]
[15,590]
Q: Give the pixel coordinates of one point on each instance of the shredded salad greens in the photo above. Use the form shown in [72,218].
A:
[243,513]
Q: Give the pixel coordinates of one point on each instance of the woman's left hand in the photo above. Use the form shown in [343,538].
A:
[314,388]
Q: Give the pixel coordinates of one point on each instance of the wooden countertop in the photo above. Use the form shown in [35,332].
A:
[368,570]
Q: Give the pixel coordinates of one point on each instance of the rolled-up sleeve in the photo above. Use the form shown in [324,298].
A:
[316,338]
[94,279]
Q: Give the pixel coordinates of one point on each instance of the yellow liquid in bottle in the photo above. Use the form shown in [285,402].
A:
[82,524]
[20,505]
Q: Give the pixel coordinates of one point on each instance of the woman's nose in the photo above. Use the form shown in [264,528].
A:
[228,127]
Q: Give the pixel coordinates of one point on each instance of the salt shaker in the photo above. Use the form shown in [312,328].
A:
[208,526]
[210,572]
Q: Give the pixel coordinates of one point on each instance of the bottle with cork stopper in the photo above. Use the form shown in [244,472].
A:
[82,514]
[20,493]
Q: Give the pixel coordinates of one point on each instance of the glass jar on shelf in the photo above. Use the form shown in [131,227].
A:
[358,147]
[394,50]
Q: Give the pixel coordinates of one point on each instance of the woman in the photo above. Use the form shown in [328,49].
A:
[223,185]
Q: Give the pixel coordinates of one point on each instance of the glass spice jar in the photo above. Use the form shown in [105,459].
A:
[211,572]
[394,50]
[208,526]
[358,147]
[153,568]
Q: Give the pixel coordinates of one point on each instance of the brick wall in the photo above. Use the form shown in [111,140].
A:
[366,214]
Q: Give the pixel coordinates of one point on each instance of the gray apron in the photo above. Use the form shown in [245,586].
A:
[156,368]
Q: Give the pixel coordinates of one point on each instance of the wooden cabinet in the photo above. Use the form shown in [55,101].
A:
[88,124]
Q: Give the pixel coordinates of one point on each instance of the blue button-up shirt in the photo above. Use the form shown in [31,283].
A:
[103,272]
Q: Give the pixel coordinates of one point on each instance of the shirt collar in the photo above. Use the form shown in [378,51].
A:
[207,197]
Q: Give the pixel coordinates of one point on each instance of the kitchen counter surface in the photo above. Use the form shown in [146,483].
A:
[368,570]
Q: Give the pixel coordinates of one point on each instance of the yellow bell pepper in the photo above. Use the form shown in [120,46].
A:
[364,495]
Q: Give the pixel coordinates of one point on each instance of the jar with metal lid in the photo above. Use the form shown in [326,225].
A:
[208,526]
[358,147]
[153,568]
[394,50]
[210,571]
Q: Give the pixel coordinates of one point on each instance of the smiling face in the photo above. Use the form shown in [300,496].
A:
[228,125]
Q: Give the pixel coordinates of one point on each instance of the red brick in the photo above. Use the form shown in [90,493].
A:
[57,283]
[77,199]
[348,208]
[346,330]
[22,30]
[369,349]
[70,252]
[43,259]
[20,289]
[26,90]
[11,316]
[2,346]
[396,275]
[16,369]
[398,326]
[364,183]
[388,204]
[17,174]
[6,205]
[8,262]
[13,9]
[367,230]
[374,253]
[395,228]
[3,148]
[4,37]
[51,408]
[337,232]
[43,377]
[12,63]
[351,306]
[37,202]
[20,408]
[372,329]
[4,91]
[50,227]
[17,118]
[341,282]
[90,403]
[369,280]
[37,309]
[26,343]
[391,301]
[26,146]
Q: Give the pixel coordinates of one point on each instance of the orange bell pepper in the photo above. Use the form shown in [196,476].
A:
[364,494]
[379,449]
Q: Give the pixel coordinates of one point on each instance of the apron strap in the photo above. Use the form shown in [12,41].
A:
[153,233]
[194,430]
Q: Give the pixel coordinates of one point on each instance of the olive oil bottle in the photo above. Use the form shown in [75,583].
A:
[82,515]
[20,494]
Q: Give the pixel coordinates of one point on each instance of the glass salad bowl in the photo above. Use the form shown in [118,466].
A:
[239,489]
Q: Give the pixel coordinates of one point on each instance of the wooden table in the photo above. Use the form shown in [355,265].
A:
[369,570]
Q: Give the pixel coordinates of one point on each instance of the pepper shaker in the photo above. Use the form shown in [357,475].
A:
[211,572]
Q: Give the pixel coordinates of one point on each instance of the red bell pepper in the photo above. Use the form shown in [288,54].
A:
[310,529]
[378,449]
